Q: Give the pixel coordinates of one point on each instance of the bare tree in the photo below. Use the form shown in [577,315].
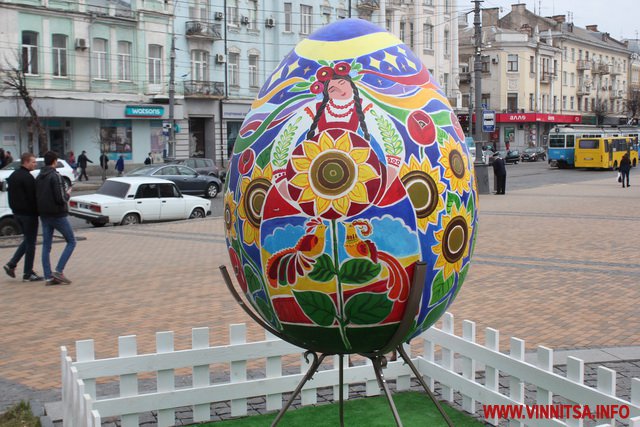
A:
[600,112]
[14,80]
[633,104]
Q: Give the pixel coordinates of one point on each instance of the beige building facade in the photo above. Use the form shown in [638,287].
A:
[538,72]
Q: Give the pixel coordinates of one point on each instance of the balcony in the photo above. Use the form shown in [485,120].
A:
[465,78]
[583,90]
[547,77]
[583,64]
[368,5]
[203,89]
[616,94]
[204,30]
[599,68]
[616,70]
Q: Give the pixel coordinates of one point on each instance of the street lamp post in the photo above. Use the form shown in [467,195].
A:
[481,172]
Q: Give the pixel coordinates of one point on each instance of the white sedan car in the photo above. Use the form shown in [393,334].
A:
[63,168]
[131,200]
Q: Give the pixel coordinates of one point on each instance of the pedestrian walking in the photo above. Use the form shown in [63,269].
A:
[624,169]
[22,200]
[148,160]
[52,206]
[104,161]
[2,158]
[120,165]
[82,165]
[72,162]
[8,158]
[500,173]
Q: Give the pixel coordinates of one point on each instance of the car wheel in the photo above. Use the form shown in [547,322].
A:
[212,191]
[130,219]
[67,182]
[9,227]
[97,224]
[197,213]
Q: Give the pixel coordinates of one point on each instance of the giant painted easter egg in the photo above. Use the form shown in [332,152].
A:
[348,170]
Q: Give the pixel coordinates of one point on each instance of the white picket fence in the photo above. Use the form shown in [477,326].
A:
[83,407]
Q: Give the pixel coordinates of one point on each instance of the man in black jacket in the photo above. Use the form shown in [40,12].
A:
[500,173]
[52,206]
[82,165]
[22,200]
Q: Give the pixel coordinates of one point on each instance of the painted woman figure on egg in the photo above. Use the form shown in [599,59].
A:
[341,106]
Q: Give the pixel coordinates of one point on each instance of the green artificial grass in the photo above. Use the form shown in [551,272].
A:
[19,415]
[415,409]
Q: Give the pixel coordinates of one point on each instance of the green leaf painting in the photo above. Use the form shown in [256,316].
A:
[367,308]
[323,270]
[318,306]
[359,271]
[265,309]
[461,276]
[264,158]
[281,148]
[453,198]
[253,282]
[442,118]
[392,142]
[440,287]
[442,136]
[435,313]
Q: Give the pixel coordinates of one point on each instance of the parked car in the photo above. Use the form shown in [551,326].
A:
[512,156]
[533,154]
[188,180]
[131,200]
[201,165]
[63,168]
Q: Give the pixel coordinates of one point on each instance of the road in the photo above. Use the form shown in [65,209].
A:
[521,176]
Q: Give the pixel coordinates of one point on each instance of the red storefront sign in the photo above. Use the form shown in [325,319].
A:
[537,117]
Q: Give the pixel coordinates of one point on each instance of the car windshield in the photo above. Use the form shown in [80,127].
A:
[114,189]
[141,171]
[12,166]
[530,150]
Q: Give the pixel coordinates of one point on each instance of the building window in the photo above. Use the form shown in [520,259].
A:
[427,30]
[466,100]
[59,49]
[200,65]
[573,54]
[485,64]
[586,104]
[402,31]
[555,103]
[532,65]
[573,79]
[446,43]
[253,15]
[571,103]
[445,84]
[411,35]
[30,52]
[486,98]
[232,12]
[564,102]
[565,80]
[512,62]
[198,10]
[124,61]
[531,102]
[512,102]
[305,19]
[326,17]
[155,64]
[564,53]
[253,70]
[287,17]
[579,54]
[100,63]
[389,21]
[234,69]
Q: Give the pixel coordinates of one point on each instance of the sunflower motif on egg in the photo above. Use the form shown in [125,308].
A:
[453,240]
[425,189]
[455,166]
[253,192]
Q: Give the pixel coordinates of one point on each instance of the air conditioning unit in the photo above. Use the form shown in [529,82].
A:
[220,58]
[270,23]
[219,16]
[244,20]
[81,44]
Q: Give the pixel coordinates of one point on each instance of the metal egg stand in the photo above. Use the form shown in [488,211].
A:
[377,358]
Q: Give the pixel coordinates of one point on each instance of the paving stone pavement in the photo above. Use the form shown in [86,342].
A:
[554,265]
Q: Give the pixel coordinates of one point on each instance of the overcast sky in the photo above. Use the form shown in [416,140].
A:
[620,18]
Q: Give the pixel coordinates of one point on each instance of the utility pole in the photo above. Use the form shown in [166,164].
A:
[481,173]
[172,95]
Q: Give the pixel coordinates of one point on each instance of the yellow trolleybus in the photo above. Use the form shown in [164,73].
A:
[604,152]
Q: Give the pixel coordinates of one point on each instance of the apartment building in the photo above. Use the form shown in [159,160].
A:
[539,71]
[96,71]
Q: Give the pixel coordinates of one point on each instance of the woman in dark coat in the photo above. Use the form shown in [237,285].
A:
[624,168]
